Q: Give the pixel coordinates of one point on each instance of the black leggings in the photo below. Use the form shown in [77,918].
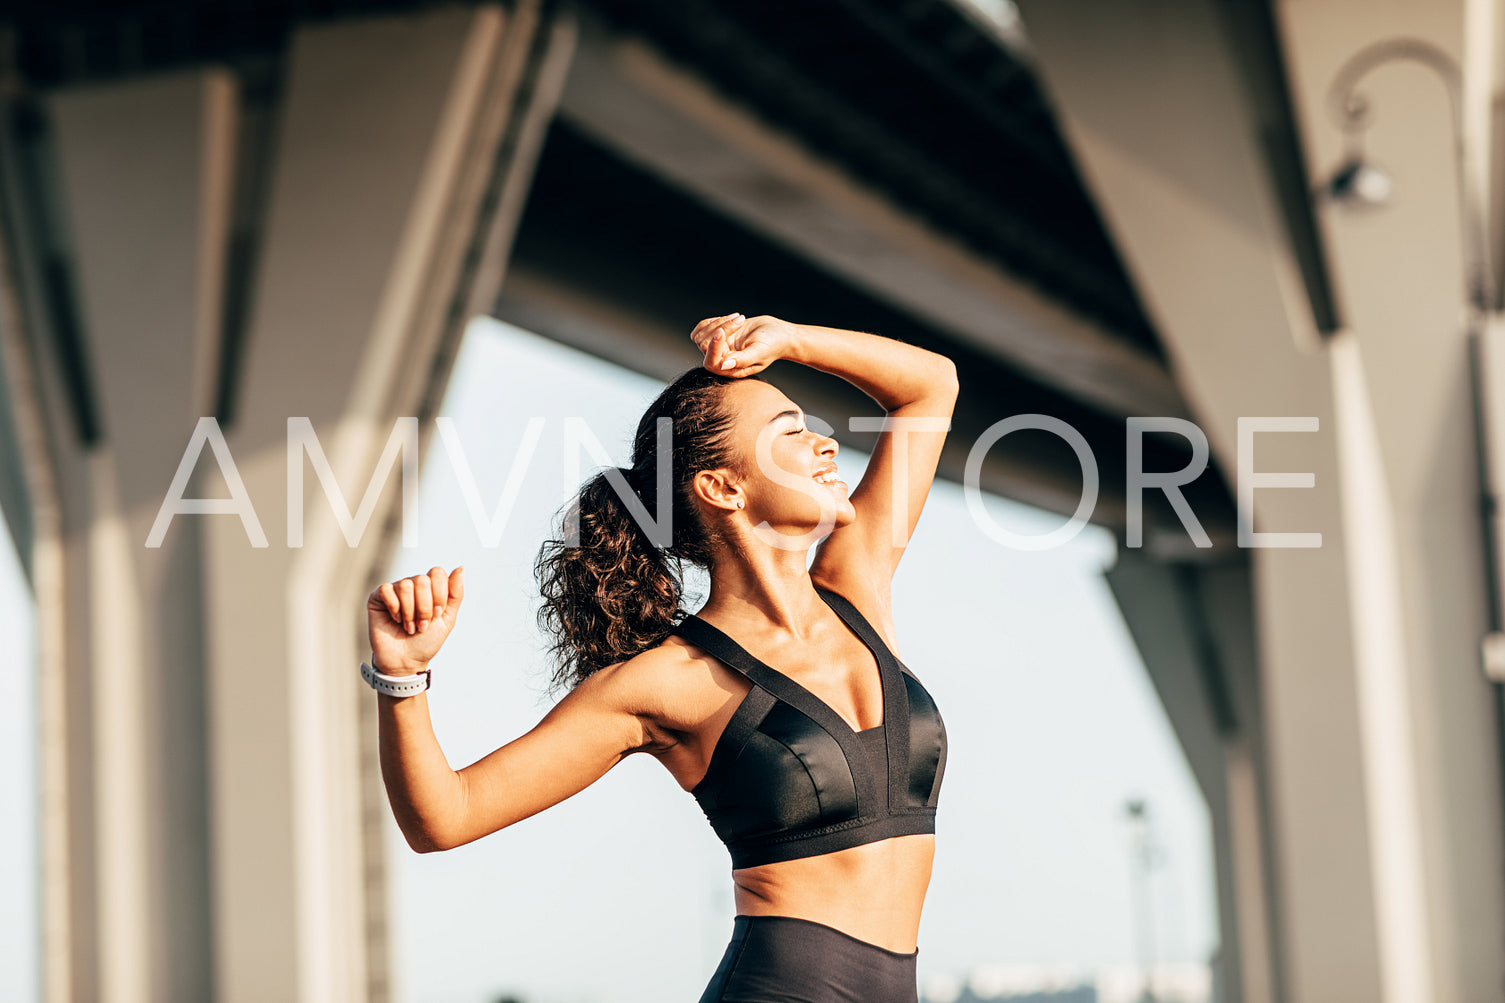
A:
[783,959]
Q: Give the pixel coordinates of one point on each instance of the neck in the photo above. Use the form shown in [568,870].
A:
[769,588]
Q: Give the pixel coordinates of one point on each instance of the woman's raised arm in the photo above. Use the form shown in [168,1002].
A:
[917,390]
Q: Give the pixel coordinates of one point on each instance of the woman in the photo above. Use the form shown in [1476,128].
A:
[820,775]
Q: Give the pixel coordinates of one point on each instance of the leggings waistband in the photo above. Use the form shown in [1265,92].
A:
[786,959]
[823,929]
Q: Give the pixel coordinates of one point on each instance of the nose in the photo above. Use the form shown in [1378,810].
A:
[828,446]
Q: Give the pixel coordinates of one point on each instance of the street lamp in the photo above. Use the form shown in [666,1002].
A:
[1143,858]
[1358,182]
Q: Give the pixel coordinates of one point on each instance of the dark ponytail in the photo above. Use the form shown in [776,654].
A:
[610,590]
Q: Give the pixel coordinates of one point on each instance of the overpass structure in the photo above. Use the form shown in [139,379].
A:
[1102,211]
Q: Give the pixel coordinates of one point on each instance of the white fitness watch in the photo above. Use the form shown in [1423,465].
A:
[396,686]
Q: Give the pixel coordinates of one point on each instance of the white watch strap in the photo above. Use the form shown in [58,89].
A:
[396,686]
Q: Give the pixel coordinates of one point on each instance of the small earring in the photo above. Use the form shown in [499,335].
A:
[739,502]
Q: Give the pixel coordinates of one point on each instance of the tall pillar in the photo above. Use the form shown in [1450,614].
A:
[1400,275]
[1192,622]
[1385,797]
[216,833]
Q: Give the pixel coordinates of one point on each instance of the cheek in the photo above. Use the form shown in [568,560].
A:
[774,467]
[787,494]
[804,498]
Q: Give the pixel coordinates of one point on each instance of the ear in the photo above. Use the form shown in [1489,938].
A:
[717,488]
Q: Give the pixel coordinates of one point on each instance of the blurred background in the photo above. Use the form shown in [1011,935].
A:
[1235,737]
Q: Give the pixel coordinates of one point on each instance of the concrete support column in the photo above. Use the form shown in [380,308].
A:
[1384,813]
[1404,358]
[216,831]
[142,175]
[1193,625]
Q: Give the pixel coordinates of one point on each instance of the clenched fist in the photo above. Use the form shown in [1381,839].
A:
[735,345]
[409,619]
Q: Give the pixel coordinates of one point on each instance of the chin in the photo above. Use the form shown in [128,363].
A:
[808,519]
[844,516]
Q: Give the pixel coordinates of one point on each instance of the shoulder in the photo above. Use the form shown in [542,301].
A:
[672,686]
[634,684]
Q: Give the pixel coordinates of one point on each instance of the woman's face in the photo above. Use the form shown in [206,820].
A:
[781,460]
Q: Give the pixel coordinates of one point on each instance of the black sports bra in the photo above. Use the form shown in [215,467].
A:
[789,778]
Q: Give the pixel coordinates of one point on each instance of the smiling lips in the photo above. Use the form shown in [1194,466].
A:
[827,475]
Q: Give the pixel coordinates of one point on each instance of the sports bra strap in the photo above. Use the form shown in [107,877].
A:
[704,635]
[854,618]
[895,696]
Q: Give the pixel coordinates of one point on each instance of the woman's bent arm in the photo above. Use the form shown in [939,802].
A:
[593,728]
[891,372]
[597,724]
[408,620]
[917,390]
[422,789]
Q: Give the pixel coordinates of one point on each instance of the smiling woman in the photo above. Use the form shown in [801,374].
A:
[822,775]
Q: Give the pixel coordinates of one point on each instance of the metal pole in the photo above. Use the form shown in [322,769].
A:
[1142,862]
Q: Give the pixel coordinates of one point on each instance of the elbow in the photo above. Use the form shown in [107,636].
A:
[421,843]
[946,370]
[935,393]
[431,844]
[942,384]
[438,831]
[425,839]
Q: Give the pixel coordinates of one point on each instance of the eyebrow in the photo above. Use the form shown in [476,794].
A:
[782,414]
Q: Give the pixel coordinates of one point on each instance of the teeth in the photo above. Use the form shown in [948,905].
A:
[826,478]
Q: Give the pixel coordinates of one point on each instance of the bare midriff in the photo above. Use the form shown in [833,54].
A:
[872,892]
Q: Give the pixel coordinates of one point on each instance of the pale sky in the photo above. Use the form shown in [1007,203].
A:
[19,944]
[622,894]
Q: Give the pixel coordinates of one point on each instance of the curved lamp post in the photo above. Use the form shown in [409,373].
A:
[1358,182]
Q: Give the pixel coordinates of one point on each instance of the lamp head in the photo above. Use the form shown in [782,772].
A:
[1358,183]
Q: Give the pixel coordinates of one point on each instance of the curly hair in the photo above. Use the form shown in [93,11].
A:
[610,590]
